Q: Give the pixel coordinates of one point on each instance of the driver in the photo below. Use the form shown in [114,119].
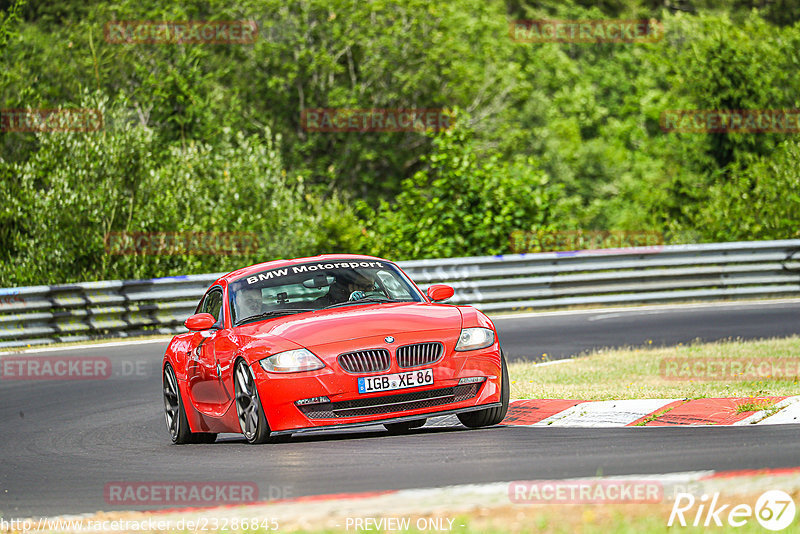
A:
[248,302]
[350,286]
[358,286]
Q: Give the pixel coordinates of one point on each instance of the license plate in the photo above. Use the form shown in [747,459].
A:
[409,379]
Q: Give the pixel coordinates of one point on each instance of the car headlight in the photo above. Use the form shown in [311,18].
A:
[292,361]
[475,338]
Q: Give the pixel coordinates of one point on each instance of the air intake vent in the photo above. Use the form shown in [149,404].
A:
[420,354]
[365,361]
[390,404]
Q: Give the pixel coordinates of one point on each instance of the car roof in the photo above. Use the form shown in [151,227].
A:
[275,264]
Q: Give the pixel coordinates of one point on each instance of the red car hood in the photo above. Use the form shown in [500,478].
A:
[358,321]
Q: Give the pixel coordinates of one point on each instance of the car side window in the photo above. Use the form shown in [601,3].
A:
[392,286]
[212,303]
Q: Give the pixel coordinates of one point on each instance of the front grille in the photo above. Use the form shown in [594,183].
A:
[390,403]
[419,354]
[365,361]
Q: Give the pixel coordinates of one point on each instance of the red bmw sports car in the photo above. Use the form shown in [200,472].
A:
[316,343]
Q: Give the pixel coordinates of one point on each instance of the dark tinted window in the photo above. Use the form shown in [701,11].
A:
[212,303]
[316,285]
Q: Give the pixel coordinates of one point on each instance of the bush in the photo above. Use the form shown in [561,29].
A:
[461,204]
[759,201]
[77,187]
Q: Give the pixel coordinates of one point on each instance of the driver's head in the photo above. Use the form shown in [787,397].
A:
[248,301]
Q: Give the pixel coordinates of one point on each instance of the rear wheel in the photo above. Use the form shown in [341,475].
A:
[490,416]
[175,414]
[252,420]
[405,426]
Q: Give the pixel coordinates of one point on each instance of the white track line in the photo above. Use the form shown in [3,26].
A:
[555,362]
[789,413]
[98,345]
[640,309]
[613,413]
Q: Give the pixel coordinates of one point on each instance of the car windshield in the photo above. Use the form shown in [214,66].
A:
[316,285]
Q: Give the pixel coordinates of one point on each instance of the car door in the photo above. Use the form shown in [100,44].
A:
[202,369]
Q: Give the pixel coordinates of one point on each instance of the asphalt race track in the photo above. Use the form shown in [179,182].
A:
[566,334]
[63,441]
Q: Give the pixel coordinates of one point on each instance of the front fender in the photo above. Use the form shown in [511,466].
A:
[472,317]
[177,354]
[257,348]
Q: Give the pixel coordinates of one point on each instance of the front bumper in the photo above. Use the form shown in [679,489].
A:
[348,408]
[401,419]
[393,402]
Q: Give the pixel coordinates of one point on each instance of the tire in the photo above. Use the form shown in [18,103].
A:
[250,411]
[175,413]
[405,426]
[490,416]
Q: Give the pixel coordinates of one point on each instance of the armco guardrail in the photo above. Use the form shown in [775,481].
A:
[47,314]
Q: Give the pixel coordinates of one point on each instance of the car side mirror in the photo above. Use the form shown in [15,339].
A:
[438,292]
[200,321]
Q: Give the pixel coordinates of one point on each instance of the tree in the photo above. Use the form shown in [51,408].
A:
[463,203]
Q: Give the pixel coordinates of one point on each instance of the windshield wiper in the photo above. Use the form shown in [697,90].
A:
[272,313]
[365,300]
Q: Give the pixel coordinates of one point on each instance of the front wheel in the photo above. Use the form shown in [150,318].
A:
[490,416]
[252,420]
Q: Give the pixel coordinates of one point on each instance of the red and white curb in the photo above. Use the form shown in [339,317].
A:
[645,412]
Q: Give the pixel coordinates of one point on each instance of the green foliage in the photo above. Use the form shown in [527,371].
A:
[7,20]
[309,54]
[461,204]
[734,67]
[78,187]
[207,138]
[761,200]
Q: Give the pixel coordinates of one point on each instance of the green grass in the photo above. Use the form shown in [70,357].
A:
[585,519]
[755,406]
[637,373]
[523,518]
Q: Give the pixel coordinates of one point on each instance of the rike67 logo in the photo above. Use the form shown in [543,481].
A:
[774,510]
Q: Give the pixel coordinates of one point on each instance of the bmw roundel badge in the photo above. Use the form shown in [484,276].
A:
[389,339]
